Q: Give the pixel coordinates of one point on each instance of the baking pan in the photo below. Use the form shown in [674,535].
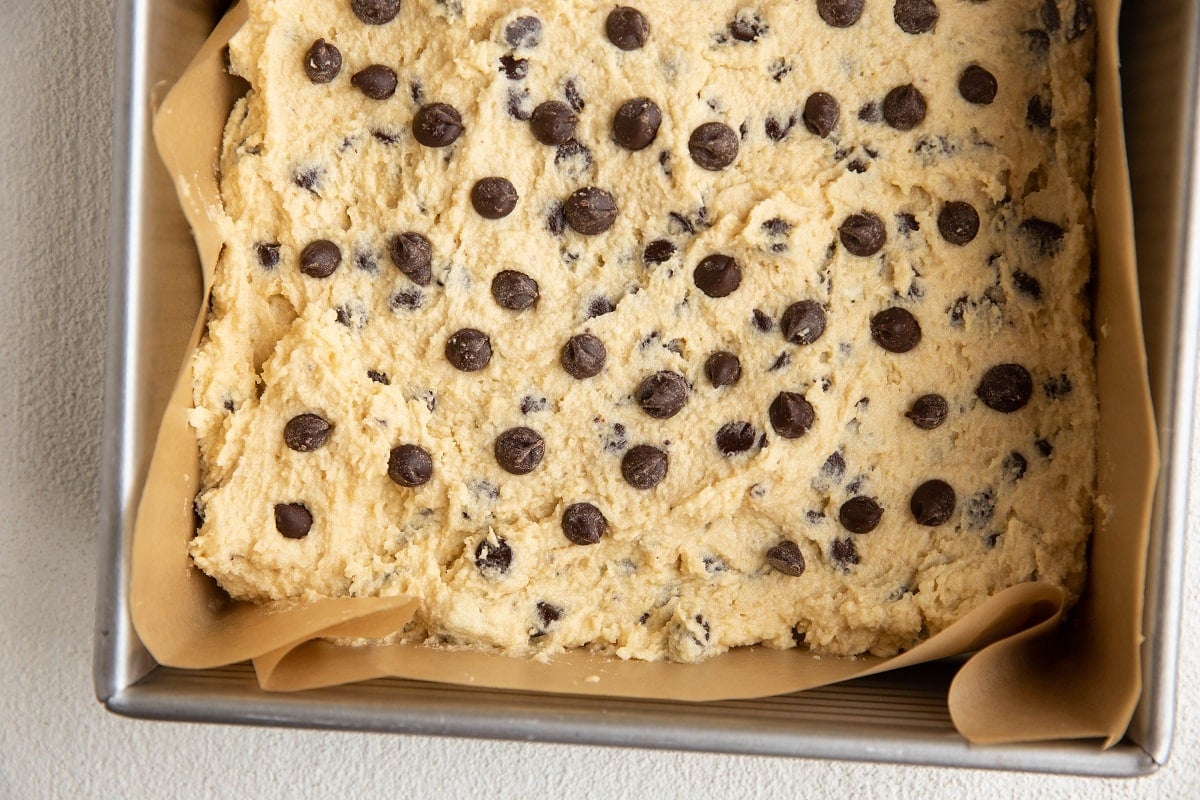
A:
[154,293]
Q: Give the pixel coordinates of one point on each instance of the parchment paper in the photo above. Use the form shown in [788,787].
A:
[1031,676]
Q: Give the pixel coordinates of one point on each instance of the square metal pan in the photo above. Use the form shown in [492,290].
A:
[154,292]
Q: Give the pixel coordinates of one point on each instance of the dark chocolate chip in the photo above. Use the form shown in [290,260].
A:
[437,125]
[378,377]
[862,234]
[928,411]
[514,290]
[895,330]
[636,122]
[958,222]
[306,432]
[791,415]
[410,299]
[493,198]
[786,557]
[658,252]
[663,394]
[748,27]
[1051,19]
[599,306]
[1039,112]
[904,107]
[1057,387]
[1005,388]
[1043,447]
[293,520]
[906,223]
[547,615]
[717,275]
[834,467]
[468,349]
[870,112]
[762,320]
[409,465]
[493,560]
[1046,236]
[582,523]
[523,32]
[860,514]
[590,210]
[977,85]
[268,254]
[320,258]
[583,356]
[519,450]
[723,368]
[626,28]
[979,509]
[844,553]
[840,13]
[553,123]
[518,104]
[713,146]
[574,99]
[412,253]
[375,12]
[644,466]
[736,437]
[322,62]
[1027,285]
[1014,466]
[514,68]
[530,404]
[777,131]
[915,16]
[1082,20]
[308,179]
[932,503]
[821,114]
[1038,42]
[803,322]
[376,81]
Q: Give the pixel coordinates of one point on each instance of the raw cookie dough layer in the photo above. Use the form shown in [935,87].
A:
[656,331]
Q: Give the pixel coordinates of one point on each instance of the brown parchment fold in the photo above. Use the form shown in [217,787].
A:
[1031,676]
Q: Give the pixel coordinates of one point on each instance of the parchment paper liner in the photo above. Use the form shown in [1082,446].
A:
[1032,678]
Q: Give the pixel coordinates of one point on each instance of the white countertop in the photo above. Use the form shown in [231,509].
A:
[56,740]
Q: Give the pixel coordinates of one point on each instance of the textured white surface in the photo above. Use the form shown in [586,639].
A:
[55,739]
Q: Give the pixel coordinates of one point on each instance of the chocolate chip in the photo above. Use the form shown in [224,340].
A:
[1050,16]
[748,27]
[735,437]
[1027,285]
[803,322]
[378,377]
[590,211]
[320,258]
[958,222]
[844,553]
[493,198]
[658,252]
[411,300]
[862,234]
[1014,466]
[663,394]
[530,404]
[547,614]
[761,320]
[553,123]
[980,508]
[308,179]
[860,514]
[468,349]
[293,520]
[713,146]
[1057,387]
[493,560]
[514,69]
[791,415]
[376,82]
[1005,388]
[1039,113]
[821,114]
[928,411]
[717,275]
[582,523]
[723,368]
[840,13]
[977,85]
[932,503]
[409,465]
[514,290]
[574,99]
[786,557]
[268,254]
[834,467]
[523,32]
[626,28]
[518,104]
[870,112]
[644,466]
[895,330]
[583,356]
[375,12]
[437,125]
[1043,447]
[412,253]
[636,122]
[904,107]
[322,62]
[519,450]
[599,306]
[777,131]
[306,432]
[1046,236]
[915,16]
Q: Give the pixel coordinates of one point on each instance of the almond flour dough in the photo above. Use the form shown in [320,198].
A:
[657,331]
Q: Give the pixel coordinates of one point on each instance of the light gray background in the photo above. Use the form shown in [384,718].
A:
[55,739]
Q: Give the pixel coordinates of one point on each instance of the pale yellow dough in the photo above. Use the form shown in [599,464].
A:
[681,572]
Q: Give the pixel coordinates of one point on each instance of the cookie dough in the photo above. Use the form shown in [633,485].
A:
[655,330]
